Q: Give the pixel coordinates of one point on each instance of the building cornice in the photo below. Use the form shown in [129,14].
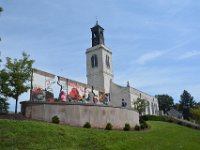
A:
[97,47]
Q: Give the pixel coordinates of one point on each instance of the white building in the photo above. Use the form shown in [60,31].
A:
[100,75]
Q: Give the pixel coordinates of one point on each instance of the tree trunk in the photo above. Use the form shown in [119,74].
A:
[16,105]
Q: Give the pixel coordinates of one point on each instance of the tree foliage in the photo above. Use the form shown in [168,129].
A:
[195,114]
[197,105]
[4,105]
[177,106]
[15,77]
[140,105]
[165,102]
[186,103]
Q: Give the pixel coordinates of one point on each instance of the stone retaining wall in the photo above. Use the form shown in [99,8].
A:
[76,114]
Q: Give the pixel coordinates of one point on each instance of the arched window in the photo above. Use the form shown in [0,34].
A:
[107,61]
[94,61]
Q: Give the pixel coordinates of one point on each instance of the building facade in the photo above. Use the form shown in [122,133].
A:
[100,75]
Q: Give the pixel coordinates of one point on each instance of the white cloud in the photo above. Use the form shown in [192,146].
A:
[149,57]
[188,55]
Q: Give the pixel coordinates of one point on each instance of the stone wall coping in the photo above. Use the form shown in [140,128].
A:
[72,103]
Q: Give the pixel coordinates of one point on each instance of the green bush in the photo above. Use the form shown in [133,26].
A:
[195,114]
[144,125]
[154,118]
[141,120]
[127,127]
[87,125]
[109,126]
[137,128]
[55,119]
[189,125]
[179,122]
[169,120]
[144,118]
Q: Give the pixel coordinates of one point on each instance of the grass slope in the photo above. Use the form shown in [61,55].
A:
[38,135]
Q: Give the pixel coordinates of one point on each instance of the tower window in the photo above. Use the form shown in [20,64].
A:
[107,61]
[94,61]
[95,34]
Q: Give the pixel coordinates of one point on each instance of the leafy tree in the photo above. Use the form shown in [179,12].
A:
[165,102]
[4,105]
[186,103]
[197,105]
[195,114]
[15,77]
[177,106]
[140,105]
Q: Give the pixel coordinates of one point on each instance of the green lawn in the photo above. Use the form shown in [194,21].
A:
[37,135]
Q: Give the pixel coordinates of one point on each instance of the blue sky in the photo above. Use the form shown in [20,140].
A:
[155,43]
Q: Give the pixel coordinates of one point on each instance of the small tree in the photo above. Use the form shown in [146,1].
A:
[195,114]
[14,79]
[4,105]
[165,102]
[186,103]
[140,105]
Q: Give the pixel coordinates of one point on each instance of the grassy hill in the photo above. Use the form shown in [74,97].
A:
[37,135]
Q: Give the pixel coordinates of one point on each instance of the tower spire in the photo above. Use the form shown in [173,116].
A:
[96,20]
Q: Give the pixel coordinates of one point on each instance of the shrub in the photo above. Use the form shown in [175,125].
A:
[137,128]
[179,122]
[55,119]
[144,118]
[189,125]
[169,120]
[141,120]
[196,114]
[108,126]
[127,127]
[87,125]
[144,125]
[155,118]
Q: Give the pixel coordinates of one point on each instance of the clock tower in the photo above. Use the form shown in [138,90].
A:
[99,61]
